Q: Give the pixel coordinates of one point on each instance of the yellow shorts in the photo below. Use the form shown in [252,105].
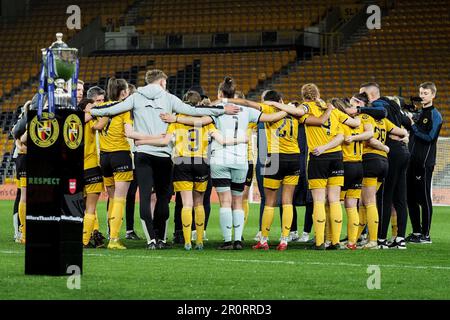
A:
[371,182]
[94,188]
[323,183]
[190,186]
[118,177]
[276,184]
[108,181]
[351,193]
[93,180]
[190,174]
[22,182]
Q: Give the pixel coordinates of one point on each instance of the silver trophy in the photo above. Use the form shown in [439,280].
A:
[64,66]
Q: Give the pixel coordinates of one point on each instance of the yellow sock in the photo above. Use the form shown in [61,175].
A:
[246,210]
[319,218]
[394,226]
[286,219]
[199,222]
[327,224]
[372,221]
[267,220]
[88,227]
[22,217]
[352,225]
[116,217]
[335,222]
[96,226]
[109,211]
[186,221]
[362,220]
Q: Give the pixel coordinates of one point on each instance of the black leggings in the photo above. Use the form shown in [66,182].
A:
[16,201]
[419,197]
[309,208]
[131,201]
[393,193]
[154,173]
[16,209]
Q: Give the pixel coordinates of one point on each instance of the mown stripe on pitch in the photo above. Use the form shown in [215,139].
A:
[302,262]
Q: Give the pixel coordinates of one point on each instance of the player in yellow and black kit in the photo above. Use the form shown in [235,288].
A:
[282,168]
[325,164]
[21,176]
[191,169]
[352,149]
[93,179]
[375,168]
[115,159]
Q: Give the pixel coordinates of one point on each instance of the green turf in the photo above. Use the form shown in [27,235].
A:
[420,272]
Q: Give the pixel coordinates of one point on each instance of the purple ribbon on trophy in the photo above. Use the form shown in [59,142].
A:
[50,86]
[41,91]
[51,83]
[75,83]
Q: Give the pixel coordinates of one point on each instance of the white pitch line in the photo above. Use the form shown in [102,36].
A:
[11,252]
[340,264]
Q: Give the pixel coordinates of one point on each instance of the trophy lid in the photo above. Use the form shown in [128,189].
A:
[59,43]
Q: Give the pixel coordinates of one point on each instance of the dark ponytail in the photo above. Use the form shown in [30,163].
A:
[115,87]
[227,87]
[192,97]
[83,103]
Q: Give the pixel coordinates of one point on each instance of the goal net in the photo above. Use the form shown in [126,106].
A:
[441,176]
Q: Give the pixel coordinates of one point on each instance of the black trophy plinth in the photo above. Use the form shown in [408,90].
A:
[55,208]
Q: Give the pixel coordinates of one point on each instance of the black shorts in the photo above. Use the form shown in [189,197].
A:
[190,174]
[227,183]
[325,170]
[115,162]
[375,168]
[325,166]
[281,168]
[21,166]
[353,175]
[250,173]
[93,176]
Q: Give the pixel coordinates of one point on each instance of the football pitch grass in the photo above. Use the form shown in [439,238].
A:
[420,272]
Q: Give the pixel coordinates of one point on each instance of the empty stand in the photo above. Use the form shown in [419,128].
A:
[21,42]
[197,16]
[20,49]
[186,70]
[411,47]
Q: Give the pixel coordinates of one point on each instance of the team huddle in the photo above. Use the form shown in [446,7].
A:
[151,139]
